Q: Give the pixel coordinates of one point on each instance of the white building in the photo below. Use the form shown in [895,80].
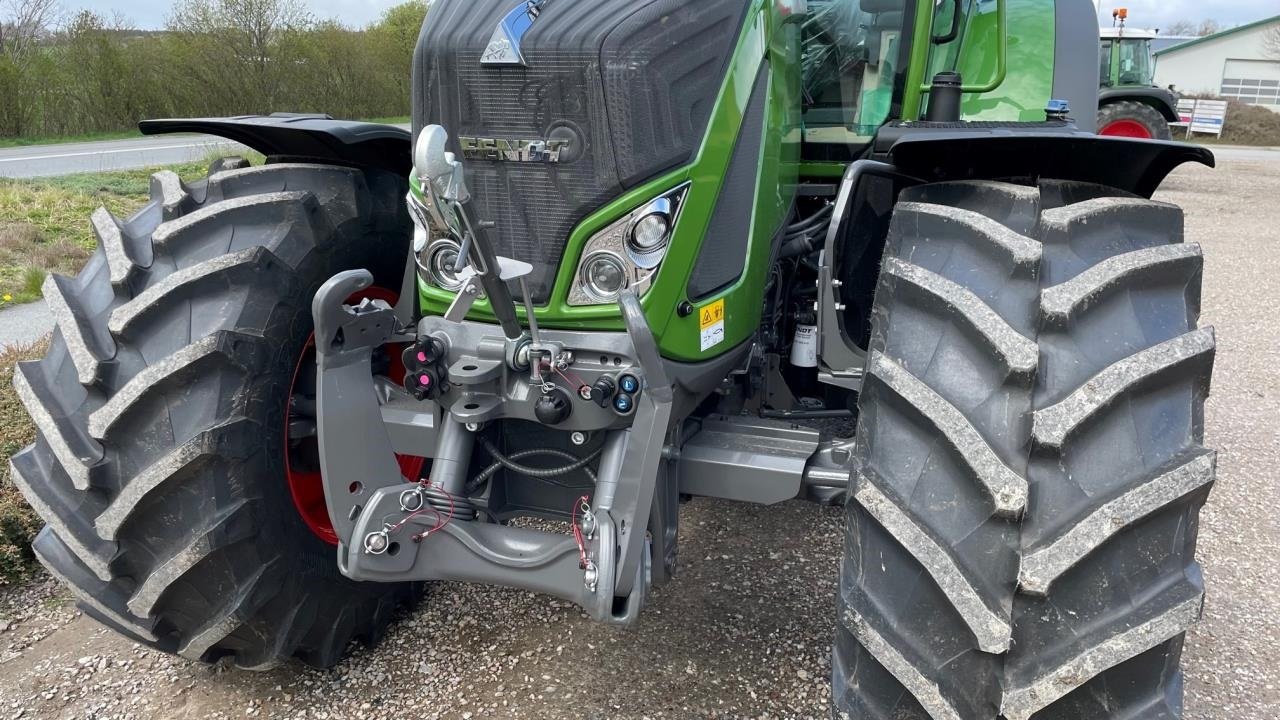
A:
[1233,63]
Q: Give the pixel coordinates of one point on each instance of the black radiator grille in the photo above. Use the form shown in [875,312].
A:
[663,59]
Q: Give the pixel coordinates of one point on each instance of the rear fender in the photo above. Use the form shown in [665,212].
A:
[305,138]
[1164,101]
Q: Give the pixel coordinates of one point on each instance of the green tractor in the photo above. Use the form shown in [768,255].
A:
[1130,104]
[635,252]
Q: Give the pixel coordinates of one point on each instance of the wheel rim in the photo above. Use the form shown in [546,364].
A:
[301,458]
[1126,128]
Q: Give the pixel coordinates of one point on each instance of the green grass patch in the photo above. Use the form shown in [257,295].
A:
[44,223]
[18,523]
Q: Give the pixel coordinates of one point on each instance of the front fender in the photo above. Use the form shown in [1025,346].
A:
[1028,154]
[305,138]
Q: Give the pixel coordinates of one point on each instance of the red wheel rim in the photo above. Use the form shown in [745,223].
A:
[307,486]
[1126,128]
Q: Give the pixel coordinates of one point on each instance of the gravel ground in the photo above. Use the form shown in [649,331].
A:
[744,631]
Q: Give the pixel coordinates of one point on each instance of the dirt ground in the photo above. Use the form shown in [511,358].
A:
[744,631]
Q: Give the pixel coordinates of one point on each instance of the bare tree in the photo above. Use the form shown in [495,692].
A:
[247,42]
[1192,28]
[1271,42]
[23,23]
[1208,27]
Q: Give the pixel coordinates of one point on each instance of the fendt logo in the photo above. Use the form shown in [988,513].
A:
[504,46]
[525,151]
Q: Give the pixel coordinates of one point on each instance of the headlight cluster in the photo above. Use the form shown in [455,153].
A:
[627,253]
[436,259]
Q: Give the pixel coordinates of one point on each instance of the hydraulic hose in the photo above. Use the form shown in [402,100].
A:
[544,474]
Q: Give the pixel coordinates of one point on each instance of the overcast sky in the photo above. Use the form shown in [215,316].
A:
[1160,13]
[1142,13]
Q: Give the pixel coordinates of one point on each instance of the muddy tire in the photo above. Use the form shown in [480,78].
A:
[159,461]
[1127,118]
[1022,526]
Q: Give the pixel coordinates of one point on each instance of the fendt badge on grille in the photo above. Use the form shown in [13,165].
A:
[504,47]
[527,151]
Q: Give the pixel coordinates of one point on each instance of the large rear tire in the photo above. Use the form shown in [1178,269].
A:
[1127,118]
[159,464]
[1022,527]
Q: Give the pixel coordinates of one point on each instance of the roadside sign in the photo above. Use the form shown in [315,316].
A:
[1201,116]
[1208,116]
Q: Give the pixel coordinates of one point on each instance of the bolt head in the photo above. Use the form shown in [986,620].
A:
[584,392]
[578,438]
[473,427]
[591,577]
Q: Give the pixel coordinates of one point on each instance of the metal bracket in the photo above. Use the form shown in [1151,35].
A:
[843,363]
[355,448]
[632,497]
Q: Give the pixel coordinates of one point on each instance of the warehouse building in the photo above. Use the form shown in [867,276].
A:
[1235,63]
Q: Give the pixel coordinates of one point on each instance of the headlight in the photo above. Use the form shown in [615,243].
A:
[628,252]
[604,275]
[437,262]
[650,232]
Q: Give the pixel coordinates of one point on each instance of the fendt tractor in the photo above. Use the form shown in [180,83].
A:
[1130,103]
[867,252]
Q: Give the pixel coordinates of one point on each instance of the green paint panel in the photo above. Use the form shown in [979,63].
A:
[1028,86]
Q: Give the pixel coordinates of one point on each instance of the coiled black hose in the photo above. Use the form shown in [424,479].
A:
[546,475]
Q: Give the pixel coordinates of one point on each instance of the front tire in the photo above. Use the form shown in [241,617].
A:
[1029,461]
[161,411]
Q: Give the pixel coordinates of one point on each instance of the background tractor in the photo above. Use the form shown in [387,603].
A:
[1129,103]
[635,251]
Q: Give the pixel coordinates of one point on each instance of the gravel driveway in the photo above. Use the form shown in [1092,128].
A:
[744,630]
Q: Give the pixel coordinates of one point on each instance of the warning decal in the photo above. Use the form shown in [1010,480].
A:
[711,322]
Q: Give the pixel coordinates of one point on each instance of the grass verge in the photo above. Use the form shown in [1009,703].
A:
[18,523]
[44,223]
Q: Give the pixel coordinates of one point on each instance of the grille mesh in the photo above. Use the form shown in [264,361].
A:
[663,62]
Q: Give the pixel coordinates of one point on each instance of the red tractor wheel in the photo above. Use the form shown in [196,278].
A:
[1132,120]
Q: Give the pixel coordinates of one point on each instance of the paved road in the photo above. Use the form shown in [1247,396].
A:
[71,158]
[24,324]
[1229,153]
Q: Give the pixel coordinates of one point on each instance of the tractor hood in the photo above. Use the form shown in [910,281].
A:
[558,106]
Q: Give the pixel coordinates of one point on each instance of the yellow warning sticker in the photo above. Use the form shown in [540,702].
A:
[711,322]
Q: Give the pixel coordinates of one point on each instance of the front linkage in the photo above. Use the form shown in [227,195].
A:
[610,393]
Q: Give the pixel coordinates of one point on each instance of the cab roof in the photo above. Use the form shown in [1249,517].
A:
[1138,33]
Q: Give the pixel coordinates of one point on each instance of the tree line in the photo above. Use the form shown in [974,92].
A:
[75,74]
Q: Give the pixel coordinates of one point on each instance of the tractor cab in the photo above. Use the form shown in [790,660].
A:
[1126,58]
[1129,102]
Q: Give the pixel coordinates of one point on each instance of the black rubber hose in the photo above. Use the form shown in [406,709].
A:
[814,219]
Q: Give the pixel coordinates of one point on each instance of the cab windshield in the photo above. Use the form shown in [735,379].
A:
[1135,62]
[849,62]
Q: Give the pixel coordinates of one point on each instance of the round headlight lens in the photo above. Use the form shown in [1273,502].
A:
[605,275]
[650,232]
[441,257]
